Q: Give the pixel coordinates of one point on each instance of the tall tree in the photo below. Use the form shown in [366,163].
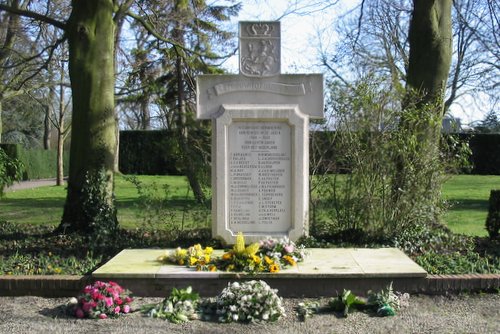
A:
[90,32]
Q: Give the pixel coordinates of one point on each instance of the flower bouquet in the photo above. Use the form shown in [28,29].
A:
[102,300]
[252,301]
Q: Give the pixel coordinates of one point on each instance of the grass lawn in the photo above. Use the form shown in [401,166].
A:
[174,204]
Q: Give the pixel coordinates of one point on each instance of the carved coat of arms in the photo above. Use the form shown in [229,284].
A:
[259,49]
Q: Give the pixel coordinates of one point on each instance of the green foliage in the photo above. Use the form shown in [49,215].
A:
[99,209]
[307,310]
[148,153]
[157,209]
[10,171]
[456,263]
[384,302]
[37,163]
[485,158]
[490,123]
[493,219]
[346,302]
[396,172]
[47,264]
[181,306]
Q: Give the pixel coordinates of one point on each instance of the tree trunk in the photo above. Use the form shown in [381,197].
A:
[60,134]
[90,32]
[182,131]
[49,106]
[430,38]
[1,127]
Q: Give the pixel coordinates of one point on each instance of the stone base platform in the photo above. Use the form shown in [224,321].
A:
[325,272]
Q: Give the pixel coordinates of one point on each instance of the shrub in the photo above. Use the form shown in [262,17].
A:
[493,219]
[10,171]
[396,170]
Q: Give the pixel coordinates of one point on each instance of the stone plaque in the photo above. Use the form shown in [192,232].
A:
[260,49]
[259,177]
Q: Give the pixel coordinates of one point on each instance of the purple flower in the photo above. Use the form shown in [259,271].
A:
[79,313]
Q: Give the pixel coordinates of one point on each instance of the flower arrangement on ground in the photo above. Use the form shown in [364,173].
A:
[269,255]
[181,306]
[251,301]
[102,300]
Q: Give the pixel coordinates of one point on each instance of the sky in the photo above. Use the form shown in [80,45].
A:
[299,32]
[303,35]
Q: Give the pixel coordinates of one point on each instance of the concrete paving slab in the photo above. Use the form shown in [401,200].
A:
[320,263]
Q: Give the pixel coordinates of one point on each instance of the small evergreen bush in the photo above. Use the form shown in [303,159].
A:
[493,219]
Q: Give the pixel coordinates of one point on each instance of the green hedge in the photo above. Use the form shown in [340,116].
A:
[485,149]
[38,164]
[485,158]
[154,152]
[148,152]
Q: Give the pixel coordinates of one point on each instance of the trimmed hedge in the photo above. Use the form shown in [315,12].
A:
[485,152]
[155,153]
[148,152]
[38,164]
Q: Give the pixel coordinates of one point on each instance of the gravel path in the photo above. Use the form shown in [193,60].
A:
[426,314]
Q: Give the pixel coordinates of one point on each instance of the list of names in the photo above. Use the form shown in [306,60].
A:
[259,175]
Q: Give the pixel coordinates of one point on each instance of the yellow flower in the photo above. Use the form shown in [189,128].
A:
[239,246]
[268,260]
[230,267]
[252,249]
[208,250]
[212,268]
[58,270]
[192,261]
[290,260]
[206,258]
[274,268]
[181,262]
[227,256]
[256,259]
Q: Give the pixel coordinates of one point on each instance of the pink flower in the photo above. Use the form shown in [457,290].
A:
[289,248]
[87,306]
[125,309]
[118,301]
[103,316]
[108,301]
[117,310]
[79,313]
[128,299]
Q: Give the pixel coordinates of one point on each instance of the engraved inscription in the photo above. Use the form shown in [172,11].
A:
[259,177]
[257,86]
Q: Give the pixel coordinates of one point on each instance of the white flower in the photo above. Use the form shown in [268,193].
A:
[235,317]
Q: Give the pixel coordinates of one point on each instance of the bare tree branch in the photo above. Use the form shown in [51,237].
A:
[33,15]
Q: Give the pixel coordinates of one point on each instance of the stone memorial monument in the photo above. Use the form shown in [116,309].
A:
[260,140]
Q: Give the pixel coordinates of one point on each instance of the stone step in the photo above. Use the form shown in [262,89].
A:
[325,272]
